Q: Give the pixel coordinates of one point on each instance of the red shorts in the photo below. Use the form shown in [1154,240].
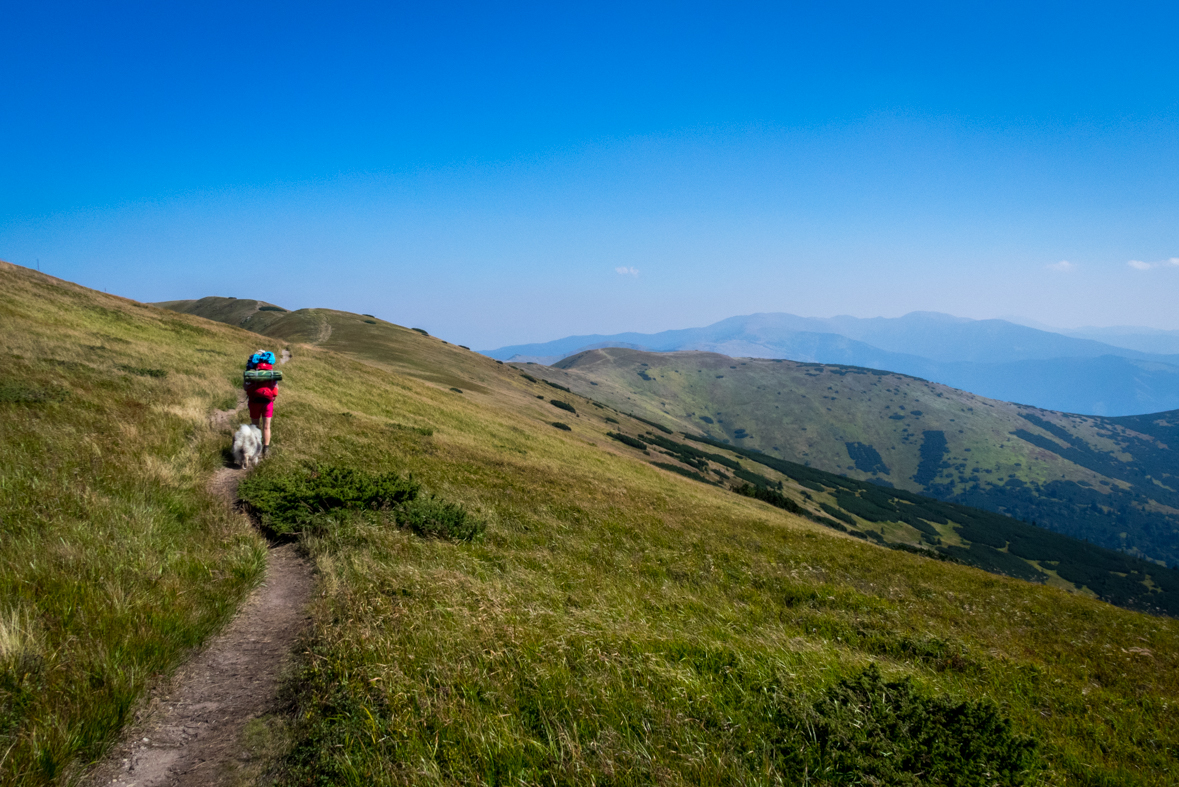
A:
[261,410]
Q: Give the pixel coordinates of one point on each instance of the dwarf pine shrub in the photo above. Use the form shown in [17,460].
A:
[285,503]
[627,440]
[562,405]
[429,516]
[884,732]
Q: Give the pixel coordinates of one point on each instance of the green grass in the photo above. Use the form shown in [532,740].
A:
[618,624]
[114,561]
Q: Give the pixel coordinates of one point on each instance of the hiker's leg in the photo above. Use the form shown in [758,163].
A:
[265,431]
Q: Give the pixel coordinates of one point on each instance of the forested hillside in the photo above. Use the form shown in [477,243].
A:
[1111,481]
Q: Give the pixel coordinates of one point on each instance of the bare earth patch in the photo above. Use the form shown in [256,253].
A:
[190,732]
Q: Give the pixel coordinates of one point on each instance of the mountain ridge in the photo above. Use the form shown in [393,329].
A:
[993,358]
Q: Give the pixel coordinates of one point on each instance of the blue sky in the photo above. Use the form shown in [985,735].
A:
[512,173]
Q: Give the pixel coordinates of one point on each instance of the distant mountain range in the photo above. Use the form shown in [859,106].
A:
[993,358]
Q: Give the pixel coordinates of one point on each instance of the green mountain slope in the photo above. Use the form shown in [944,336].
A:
[1111,481]
[390,346]
[614,623]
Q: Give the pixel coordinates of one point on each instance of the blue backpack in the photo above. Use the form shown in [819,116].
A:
[264,356]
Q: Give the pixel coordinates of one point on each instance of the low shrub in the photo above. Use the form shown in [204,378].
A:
[422,331]
[660,427]
[528,377]
[842,516]
[431,517]
[285,503]
[828,522]
[628,440]
[558,387]
[771,496]
[280,309]
[371,322]
[751,477]
[563,427]
[562,405]
[682,471]
[457,390]
[610,420]
[879,732]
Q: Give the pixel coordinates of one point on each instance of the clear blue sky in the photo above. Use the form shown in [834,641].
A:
[509,173]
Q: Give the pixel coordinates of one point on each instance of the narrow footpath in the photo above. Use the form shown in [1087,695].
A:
[189,732]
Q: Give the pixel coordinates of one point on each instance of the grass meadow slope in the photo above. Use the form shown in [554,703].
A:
[1112,481]
[533,603]
[114,561]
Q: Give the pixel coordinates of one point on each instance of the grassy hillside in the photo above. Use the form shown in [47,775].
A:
[378,342]
[615,622]
[1112,481]
[114,561]
[243,312]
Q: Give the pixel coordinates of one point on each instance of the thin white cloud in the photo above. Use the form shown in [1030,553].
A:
[1139,265]
[627,271]
[1064,266]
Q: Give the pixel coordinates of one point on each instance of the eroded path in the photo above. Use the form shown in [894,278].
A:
[190,732]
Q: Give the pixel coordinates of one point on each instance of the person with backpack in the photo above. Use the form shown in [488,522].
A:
[261,391]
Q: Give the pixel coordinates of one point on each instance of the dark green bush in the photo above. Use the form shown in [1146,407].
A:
[682,471]
[528,377]
[610,420]
[285,503]
[660,427]
[771,496]
[558,387]
[562,405]
[457,390]
[871,731]
[429,516]
[281,309]
[827,522]
[835,512]
[753,478]
[628,440]
[421,331]
[371,322]
[563,427]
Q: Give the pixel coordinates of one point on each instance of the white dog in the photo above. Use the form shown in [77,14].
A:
[247,446]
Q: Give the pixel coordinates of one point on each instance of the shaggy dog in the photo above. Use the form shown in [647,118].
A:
[247,446]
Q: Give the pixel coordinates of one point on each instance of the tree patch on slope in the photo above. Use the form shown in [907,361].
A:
[867,459]
[933,451]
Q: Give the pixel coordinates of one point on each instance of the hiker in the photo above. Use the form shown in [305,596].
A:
[261,394]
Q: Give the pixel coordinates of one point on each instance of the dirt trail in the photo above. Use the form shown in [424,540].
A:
[189,733]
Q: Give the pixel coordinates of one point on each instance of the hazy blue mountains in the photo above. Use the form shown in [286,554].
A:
[993,358]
